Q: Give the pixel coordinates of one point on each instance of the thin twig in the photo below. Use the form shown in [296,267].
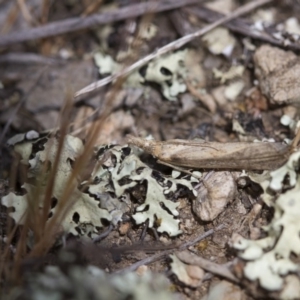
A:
[19,105]
[26,13]
[29,58]
[207,265]
[199,238]
[92,8]
[296,140]
[104,234]
[238,25]
[169,47]
[163,254]
[79,23]
[45,11]
[204,99]
[182,24]
[10,19]
[180,169]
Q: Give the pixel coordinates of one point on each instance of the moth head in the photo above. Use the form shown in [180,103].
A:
[147,145]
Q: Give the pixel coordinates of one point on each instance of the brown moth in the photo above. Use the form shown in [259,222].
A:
[214,155]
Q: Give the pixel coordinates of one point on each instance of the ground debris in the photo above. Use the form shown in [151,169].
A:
[278,74]
[234,85]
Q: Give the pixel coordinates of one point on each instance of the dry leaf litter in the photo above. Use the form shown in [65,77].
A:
[267,266]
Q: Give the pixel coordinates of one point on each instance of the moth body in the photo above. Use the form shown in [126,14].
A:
[214,155]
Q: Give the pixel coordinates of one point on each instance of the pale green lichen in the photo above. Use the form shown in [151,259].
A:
[156,205]
[269,259]
[287,171]
[89,282]
[106,195]
[169,71]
